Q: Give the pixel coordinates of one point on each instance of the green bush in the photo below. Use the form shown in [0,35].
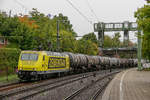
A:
[9,59]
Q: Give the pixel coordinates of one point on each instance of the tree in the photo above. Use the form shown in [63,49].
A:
[87,47]
[107,41]
[39,32]
[143,20]
[7,24]
[115,40]
[46,31]
[92,37]
[88,44]
[67,42]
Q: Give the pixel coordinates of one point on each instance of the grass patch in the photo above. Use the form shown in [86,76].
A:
[12,77]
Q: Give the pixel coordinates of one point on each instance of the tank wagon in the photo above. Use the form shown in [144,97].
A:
[42,64]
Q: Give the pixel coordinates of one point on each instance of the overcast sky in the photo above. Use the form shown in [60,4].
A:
[105,10]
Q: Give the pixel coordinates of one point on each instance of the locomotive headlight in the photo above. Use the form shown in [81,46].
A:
[20,68]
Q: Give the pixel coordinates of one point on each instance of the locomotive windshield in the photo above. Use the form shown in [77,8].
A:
[29,56]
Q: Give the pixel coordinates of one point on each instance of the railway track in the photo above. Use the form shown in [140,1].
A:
[44,87]
[76,93]
[11,86]
[14,85]
[99,91]
[7,85]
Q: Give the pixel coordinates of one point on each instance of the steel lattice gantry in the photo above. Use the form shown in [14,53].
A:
[125,26]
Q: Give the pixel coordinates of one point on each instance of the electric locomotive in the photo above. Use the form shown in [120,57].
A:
[42,64]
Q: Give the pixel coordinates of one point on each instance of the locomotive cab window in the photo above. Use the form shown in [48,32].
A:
[29,56]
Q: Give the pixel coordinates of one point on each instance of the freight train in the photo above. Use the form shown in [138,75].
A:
[42,64]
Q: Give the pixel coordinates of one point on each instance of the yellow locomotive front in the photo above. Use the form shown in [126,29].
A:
[41,64]
[29,64]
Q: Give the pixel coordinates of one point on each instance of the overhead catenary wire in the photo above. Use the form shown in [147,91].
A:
[91,9]
[79,11]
